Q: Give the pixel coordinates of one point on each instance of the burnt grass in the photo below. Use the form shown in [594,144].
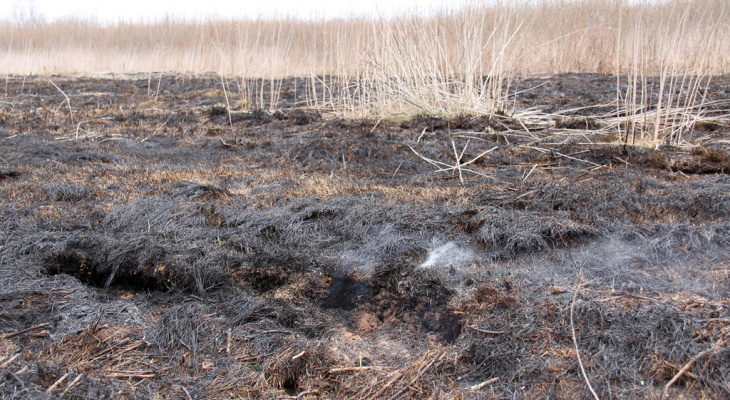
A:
[156,245]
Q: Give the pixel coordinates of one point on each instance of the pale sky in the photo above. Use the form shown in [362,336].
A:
[150,10]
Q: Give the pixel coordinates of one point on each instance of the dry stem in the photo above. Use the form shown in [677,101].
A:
[684,370]
[572,311]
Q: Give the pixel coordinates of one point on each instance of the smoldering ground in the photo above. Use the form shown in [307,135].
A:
[169,250]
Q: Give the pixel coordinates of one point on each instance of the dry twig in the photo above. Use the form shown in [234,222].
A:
[10,360]
[18,333]
[458,165]
[474,328]
[572,312]
[485,383]
[57,383]
[684,370]
[72,384]
[68,101]
[351,369]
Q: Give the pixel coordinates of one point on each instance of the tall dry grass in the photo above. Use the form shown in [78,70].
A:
[531,37]
[452,62]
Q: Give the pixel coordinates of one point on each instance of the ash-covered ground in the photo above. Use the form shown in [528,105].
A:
[157,243]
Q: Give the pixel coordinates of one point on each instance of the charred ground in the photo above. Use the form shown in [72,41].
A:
[156,244]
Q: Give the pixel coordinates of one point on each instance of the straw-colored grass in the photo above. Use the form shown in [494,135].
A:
[452,62]
[529,37]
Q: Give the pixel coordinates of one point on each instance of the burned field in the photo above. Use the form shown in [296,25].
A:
[156,245]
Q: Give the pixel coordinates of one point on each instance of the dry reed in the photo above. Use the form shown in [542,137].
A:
[605,36]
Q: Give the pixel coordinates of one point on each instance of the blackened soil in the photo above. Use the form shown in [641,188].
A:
[162,243]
